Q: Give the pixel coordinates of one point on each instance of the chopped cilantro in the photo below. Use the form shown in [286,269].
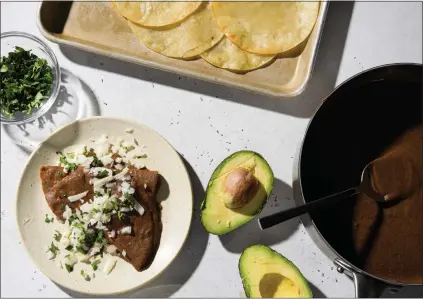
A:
[100,237]
[95,264]
[59,173]
[69,248]
[85,275]
[96,162]
[71,155]
[69,268]
[62,159]
[89,239]
[72,218]
[127,148]
[48,219]
[140,156]
[102,174]
[53,248]
[57,236]
[26,81]
[71,167]
[81,249]
[98,194]
[129,200]
[121,215]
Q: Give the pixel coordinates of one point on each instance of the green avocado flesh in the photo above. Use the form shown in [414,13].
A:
[216,218]
[267,274]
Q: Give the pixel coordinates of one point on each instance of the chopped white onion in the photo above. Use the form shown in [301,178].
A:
[109,265]
[77,196]
[139,208]
[101,182]
[121,174]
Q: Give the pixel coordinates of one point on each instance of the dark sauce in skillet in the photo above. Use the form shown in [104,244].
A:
[389,236]
[358,124]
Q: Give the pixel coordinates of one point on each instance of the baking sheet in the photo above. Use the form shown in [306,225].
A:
[98,28]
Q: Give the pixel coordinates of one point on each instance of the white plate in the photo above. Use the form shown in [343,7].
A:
[176,213]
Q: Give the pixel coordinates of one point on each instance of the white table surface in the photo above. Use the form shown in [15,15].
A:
[190,113]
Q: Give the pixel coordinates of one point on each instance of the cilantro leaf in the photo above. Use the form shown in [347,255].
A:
[102,174]
[48,219]
[53,248]
[95,264]
[26,81]
[57,236]
[69,268]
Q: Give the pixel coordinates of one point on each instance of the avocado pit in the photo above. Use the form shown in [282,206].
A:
[239,188]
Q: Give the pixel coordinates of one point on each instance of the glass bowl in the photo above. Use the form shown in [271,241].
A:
[30,42]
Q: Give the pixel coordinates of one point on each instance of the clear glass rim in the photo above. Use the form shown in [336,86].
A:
[56,86]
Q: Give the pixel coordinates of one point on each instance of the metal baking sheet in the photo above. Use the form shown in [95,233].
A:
[96,27]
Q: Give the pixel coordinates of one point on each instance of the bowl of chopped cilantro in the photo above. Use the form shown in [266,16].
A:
[29,78]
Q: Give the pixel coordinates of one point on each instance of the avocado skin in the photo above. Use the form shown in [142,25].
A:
[216,173]
[265,249]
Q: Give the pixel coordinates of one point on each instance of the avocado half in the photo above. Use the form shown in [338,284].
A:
[216,217]
[267,274]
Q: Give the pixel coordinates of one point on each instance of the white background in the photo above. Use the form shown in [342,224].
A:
[189,113]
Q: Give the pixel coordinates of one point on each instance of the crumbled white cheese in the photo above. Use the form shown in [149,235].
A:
[119,166]
[71,259]
[111,249]
[64,241]
[67,212]
[77,196]
[137,163]
[109,265]
[112,234]
[123,252]
[145,186]
[118,160]
[107,159]
[125,230]
[126,188]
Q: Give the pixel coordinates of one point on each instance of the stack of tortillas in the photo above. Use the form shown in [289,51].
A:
[237,36]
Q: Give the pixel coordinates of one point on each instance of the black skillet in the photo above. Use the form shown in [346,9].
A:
[352,126]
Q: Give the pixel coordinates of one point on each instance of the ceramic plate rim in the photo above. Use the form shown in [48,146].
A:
[58,131]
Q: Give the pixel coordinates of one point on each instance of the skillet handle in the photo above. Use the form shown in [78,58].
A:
[365,287]
[271,220]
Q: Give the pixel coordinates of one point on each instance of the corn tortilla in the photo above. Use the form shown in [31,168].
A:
[266,27]
[156,14]
[198,33]
[228,56]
